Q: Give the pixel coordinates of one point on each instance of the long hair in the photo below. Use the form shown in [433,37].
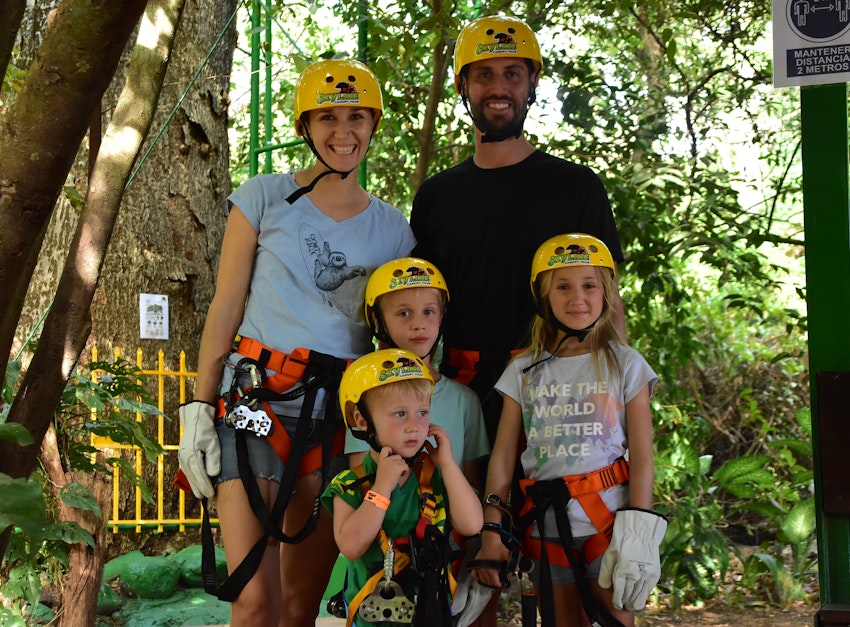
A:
[544,333]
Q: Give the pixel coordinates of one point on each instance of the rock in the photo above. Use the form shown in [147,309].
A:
[116,567]
[184,607]
[108,600]
[189,561]
[150,578]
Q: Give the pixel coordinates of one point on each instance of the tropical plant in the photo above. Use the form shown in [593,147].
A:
[109,401]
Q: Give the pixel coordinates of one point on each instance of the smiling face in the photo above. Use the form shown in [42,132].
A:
[576,295]
[400,415]
[412,318]
[498,92]
[341,134]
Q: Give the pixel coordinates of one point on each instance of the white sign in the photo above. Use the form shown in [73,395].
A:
[153,316]
[811,42]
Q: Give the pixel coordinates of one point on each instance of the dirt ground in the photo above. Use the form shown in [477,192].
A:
[719,615]
[712,615]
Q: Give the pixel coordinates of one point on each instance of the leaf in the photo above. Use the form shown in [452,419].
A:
[22,505]
[71,533]
[799,525]
[736,469]
[803,448]
[13,370]
[79,496]
[16,433]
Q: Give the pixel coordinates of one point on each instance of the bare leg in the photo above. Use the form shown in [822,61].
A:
[606,595]
[259,603]
[306,567]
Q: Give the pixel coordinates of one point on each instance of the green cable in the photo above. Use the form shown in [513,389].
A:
[180,101]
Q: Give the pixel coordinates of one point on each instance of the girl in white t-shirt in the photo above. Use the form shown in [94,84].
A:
[576,408]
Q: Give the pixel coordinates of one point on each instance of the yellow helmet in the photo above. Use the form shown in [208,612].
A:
[400,274]
[493,37]
[374,370]
[334,83]
[570,249]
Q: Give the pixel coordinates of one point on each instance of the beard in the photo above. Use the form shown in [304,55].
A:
[501,126]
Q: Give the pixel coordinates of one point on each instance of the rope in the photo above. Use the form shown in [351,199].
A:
[181,99]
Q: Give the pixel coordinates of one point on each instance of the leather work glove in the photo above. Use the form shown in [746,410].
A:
[631,563]
[200,451]
[469,600]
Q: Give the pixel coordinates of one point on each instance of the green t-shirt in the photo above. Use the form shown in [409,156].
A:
[402,515]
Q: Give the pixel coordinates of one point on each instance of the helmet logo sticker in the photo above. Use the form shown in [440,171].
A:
[412,277]
[402,367]
[574,253]
[504,44]
[346,93]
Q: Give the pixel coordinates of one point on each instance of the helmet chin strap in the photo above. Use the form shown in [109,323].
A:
[382,335]
[298,193]
[581,334]
[370,436]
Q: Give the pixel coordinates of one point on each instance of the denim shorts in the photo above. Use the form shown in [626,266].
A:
[265,463]
[563,575]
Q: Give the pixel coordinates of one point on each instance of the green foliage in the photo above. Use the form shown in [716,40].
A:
[105,403]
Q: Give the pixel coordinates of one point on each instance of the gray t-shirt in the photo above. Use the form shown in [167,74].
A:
[310,271]
[574,416]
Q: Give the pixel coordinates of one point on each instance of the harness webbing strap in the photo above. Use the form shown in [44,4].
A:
[464,364]
[556,494]
[319,371]
[586,489]
[424,472]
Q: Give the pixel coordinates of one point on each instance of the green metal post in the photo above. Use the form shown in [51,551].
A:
[254,106]
[826,201]
[268,123]
[362,45]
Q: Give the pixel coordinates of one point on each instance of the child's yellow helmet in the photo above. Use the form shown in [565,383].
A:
[373,370]
[400,274]
[570,249]
[494,37]
[335,83]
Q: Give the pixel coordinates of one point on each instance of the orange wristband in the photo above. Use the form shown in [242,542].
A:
[378,500]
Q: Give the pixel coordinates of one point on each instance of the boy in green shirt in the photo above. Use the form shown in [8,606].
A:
[378,510]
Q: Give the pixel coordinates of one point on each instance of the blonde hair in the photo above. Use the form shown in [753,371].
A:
[419,386]
[544,334]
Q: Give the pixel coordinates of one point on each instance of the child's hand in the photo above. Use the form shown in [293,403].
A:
[443,453]
[391,470]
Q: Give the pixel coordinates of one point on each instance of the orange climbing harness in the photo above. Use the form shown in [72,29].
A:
[586,489]
[465,364]
[289,370]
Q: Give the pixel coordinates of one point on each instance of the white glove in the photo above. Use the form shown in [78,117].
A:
[200,451]
[631,562]
[469,600]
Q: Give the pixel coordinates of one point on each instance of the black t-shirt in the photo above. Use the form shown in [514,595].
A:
[481,228]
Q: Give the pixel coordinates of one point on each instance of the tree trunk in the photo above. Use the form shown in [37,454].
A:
[42,130]
[168,233]
[76,601]
[10,22]
[168,236]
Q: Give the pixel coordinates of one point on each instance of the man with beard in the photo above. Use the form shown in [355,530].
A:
[482,220]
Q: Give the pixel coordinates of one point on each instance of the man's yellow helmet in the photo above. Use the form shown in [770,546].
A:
[495,37]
